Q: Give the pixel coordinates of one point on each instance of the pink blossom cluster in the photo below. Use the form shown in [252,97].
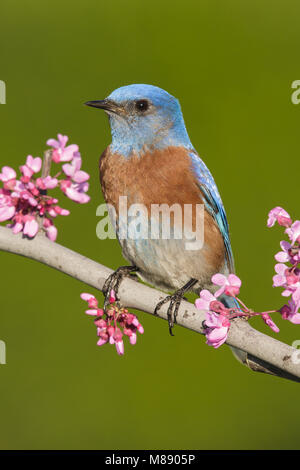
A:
[218,317]
[287,269]
[114,323]
[25,202]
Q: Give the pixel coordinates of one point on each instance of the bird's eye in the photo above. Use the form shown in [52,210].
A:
[141,105]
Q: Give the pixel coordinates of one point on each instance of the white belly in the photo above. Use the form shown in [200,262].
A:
[167,264]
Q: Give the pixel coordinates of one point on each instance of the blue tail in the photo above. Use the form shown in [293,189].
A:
[231,302]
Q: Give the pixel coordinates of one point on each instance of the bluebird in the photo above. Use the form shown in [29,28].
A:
[152,161]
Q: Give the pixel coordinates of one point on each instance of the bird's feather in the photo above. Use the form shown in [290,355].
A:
[213,203]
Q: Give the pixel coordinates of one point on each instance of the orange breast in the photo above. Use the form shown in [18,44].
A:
[162,176]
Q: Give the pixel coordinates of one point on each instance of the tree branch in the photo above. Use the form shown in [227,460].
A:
[262,353]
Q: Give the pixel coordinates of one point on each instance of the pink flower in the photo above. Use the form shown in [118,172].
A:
[280,278]
[294,232]
[112,297]
[268,321]
[205,300]
[47,183]
[61,211]
[285,255]
[54,211]
[209,302]
[229,285]
[91,299]
[32,165]
[23,201]
[132,335]
[280,215]
[118,341]
[111,330]
[103,339]
[6,212]
[7,207]
[137,325]
[113,323]
[6,200]
[296,296]
[75,185]
[28,197]
[76,192]
[7,174]
[287,278]
[31,227]
[92,311]
[51,232]
[217,327]
[93,308]
[290,312]
[72,170]
[61,153]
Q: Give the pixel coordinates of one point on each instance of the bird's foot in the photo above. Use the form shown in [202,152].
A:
[175,301]
[114,280]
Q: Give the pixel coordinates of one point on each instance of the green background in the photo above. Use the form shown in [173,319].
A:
[231,64]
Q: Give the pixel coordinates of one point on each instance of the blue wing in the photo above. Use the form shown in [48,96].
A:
[213,203]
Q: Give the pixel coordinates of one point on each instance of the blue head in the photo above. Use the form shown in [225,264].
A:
[143,117]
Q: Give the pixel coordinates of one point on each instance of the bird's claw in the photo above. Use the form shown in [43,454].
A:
[175,301]
[113,282]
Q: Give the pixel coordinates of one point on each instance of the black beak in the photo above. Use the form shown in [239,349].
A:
[106,104]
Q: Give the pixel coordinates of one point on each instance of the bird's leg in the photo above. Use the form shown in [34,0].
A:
[114,280]
[175,301]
